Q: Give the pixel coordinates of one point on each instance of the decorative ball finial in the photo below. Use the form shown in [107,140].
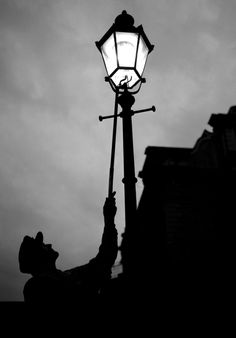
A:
[124,20]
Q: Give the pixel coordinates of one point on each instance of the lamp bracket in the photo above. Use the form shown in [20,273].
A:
[121,89]
[153,108]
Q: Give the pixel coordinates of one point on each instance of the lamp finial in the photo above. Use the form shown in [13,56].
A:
[124,20]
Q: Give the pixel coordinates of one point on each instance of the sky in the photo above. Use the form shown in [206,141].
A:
[54,152]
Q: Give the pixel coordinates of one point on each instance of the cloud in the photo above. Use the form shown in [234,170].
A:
[50,143]
[170,12]
[204,10]
[210,43]
[47,182]
[54,151]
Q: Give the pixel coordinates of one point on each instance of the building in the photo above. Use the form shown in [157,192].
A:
[186,216]
[184,239]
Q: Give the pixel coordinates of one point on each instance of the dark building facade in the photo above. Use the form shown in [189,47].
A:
[186,217]
[184,239]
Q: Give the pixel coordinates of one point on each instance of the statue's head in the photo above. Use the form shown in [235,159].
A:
[35,256]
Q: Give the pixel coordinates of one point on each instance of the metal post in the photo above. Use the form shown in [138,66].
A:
[130,240]
[126,100]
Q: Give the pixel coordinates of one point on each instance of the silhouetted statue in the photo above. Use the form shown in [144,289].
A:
[79,285]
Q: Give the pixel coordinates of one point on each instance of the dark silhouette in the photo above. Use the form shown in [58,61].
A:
[186,221]
[80,285]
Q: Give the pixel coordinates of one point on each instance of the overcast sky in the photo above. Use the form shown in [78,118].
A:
[54,153]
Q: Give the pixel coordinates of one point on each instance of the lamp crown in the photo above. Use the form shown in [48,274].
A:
[124,20]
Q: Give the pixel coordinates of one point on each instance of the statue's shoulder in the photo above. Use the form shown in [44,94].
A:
[43,286]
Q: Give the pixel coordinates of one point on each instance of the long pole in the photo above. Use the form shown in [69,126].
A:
[113,148]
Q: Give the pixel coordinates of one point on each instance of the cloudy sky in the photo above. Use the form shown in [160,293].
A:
[54,153]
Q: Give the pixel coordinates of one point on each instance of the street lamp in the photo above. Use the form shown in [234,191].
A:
[125,50]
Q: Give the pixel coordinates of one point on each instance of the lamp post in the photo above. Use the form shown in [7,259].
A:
[124,50]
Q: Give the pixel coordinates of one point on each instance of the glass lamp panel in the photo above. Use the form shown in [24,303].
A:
[109,54]
[142,56]
[127,75]
[126,48]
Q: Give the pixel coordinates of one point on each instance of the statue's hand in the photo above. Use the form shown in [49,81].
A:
[109,208]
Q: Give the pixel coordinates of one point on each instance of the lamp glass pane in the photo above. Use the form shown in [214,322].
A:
[109,54]
[126,48]
[128,76]
[142,56]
